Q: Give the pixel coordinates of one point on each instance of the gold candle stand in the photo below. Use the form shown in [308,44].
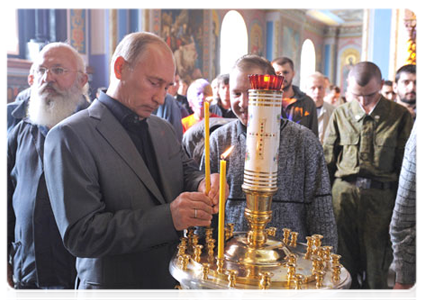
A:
[257,259]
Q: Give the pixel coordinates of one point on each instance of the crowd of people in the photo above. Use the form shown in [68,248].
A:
[99,192]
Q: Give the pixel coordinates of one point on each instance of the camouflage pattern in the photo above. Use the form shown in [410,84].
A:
[367,145]
[363,217]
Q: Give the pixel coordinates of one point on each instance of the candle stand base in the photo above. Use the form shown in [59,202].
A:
[275,265]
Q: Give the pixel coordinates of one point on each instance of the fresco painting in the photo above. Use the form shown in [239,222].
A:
[291,42]
[256,38]
[183,31]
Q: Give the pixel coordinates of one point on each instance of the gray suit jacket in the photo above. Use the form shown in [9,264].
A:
[110,213]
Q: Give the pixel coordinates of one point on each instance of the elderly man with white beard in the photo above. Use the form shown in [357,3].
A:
[37,258]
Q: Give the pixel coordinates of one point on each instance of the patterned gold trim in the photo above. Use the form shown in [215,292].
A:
[268,105]
[261,173]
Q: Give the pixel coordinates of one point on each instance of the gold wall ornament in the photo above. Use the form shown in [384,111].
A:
[410,23]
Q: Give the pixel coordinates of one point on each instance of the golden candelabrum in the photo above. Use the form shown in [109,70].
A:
[257,259]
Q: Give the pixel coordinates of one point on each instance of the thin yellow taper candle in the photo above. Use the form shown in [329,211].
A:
[207,144]
[222,200]
[222,196]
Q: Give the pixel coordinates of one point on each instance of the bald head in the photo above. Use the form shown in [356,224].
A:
[364,72]
[134,45]
[197,93]
[364,83]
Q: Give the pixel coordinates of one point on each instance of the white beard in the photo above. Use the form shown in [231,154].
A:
[48,110]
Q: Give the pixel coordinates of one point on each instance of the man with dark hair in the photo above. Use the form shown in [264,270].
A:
[296,105]
[181,102]
[223,106]
[181,94]
[334,97]
[364,150]
[303,202]
[387,90]
[405,87]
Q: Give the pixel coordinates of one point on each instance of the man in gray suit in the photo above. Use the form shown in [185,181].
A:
[122,188]
[37,256]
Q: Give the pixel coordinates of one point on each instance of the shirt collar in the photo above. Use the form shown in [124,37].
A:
[20,108]
[374,107]
[122,113]
[241,128]
[359,113]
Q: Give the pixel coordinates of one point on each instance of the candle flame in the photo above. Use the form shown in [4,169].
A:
[227,152]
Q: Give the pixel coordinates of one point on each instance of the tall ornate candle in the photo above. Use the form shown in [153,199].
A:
[262,145]
[207,144]
[222,200]
[261,153]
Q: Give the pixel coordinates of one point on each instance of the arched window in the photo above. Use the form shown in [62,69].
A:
[308,61]
[233,40]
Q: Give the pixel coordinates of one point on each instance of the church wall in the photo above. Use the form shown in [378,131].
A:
[290,38]
[99,54]
[292,27]
[315,31]
[348,53]
[17,77]
[96,33]
[194,37]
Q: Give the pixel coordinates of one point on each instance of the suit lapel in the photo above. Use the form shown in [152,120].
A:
[38,139]
[120,141]
[157,140]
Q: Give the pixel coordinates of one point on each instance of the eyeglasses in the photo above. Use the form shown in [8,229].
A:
[58,71]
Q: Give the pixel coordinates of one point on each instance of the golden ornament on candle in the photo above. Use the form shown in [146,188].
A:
[207,144]
[222,198]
